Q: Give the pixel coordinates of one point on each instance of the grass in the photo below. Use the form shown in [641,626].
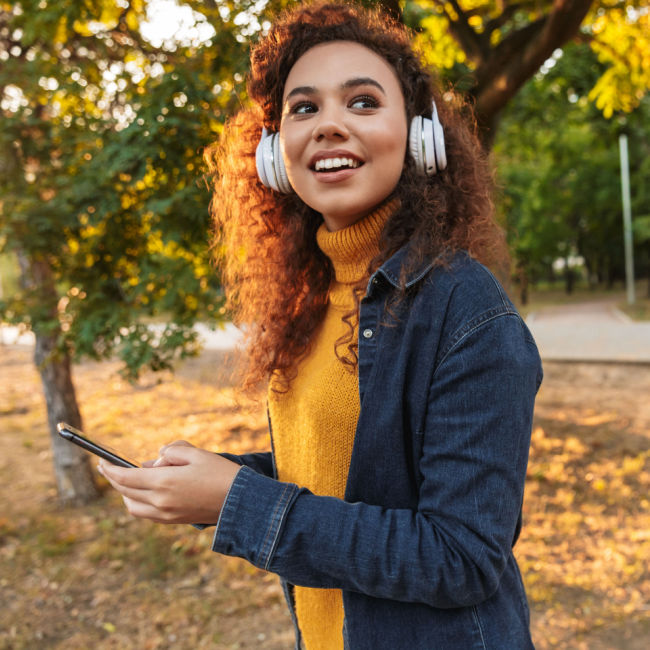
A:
[93,577]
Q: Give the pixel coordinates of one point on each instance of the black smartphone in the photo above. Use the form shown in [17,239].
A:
[79,438]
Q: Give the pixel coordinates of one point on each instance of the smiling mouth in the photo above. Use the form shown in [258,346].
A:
[336,164]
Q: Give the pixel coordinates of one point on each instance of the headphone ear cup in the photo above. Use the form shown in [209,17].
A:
[438,140]
[278,166]
[259,159]
[427,144]
[269,163]
[415,143]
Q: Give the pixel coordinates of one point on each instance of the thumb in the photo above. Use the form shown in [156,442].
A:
[176,455]
[162,460]
[183,443]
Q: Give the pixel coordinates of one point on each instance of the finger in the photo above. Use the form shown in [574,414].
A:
[134,493]
[137,477]
[161,462]
[145,497]
[176,443]
[145,511]
[178,455]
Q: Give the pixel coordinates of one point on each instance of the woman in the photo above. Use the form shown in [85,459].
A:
[401,378]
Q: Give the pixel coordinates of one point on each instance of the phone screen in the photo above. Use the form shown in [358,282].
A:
[78,438]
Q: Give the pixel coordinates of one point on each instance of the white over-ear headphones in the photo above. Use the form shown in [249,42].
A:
[269,162]
[426,145]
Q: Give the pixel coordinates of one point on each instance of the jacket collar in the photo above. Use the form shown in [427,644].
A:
[392,267]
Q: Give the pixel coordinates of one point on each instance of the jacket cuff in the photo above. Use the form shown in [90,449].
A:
[252,517]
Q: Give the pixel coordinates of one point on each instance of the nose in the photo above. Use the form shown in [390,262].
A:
[330,124]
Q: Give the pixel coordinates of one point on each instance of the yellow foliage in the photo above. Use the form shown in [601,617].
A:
[600,485]
[89,231]
[132,20]
[215,126]
[634,465]
[624,44]
[110,14]
[82,28]
[170,249]
[476,22]
[436,44]
[149,179]
[61,35]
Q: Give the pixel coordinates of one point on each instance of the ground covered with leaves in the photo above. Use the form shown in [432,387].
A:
[93,577]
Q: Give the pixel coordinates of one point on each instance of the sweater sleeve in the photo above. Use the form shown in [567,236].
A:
[260,462]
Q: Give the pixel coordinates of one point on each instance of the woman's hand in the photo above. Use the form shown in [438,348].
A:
[185,485]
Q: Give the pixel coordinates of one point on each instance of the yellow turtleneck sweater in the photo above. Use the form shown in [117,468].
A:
[315,421]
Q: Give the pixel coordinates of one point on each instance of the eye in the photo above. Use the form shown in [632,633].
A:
[364,102]
[303,108]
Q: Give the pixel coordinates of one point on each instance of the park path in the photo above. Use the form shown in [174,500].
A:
[590,331]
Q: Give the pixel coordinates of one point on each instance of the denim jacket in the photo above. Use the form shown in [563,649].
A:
[422,543]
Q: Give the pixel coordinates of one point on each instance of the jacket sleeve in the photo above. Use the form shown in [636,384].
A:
[452,549]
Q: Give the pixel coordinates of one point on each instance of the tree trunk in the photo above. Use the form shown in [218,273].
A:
[569,278]
[523,283]
[74,478]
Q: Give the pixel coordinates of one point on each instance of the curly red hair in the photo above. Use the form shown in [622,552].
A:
[276,277]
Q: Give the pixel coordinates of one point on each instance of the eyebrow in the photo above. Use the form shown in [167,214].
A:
[350,83]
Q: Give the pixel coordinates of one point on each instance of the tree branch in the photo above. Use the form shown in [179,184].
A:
[520,55]
[506,14]
[474,46]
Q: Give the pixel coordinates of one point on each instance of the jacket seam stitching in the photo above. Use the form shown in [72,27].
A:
[478,625]
[274,528]
[472,326]
[499,289]
[223,505]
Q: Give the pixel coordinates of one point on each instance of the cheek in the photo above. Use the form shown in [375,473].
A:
[391,141]
[391,152]
[292,143]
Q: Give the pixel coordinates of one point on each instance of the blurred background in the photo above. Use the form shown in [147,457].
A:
[107,274]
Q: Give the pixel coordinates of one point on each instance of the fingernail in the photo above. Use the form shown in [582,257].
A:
[99,469]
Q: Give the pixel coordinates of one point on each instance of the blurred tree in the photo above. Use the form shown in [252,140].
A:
[101,133]
[489,49]
[559,170]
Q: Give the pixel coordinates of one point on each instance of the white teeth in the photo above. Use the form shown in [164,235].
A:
[335,163]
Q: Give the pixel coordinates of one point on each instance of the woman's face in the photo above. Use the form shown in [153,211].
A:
[343,131]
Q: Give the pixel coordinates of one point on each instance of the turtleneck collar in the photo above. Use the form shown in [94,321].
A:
[351,249]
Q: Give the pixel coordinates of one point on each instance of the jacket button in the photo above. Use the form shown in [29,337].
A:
[367,334]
